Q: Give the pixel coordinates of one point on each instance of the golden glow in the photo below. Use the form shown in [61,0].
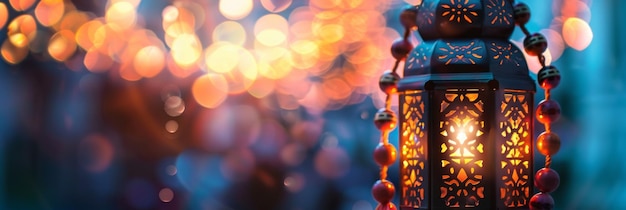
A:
[13,54]
[21,5]
[85,35]
[73,20]
[271,30]
[577,33]
[230,31]
[62,45]
[122,14]
[22,30]
[149,61]
[4,15]
[515,149]
[235,9]
[96,61]
[222,57]
[462,149]
[325,4]
[266,52]
[210,90]
[413,154]
[49,13]
[274,63]
[305,54]
[261,87]
[186,49]
[330,33]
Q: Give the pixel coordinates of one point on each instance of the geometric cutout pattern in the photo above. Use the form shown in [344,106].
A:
[462,140]
[460,54]
[515,149]
[459,10]
[497,12]
[413,150]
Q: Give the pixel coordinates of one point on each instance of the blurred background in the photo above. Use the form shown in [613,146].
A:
[256,104]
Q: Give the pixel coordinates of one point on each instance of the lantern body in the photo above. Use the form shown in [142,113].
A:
[466,113]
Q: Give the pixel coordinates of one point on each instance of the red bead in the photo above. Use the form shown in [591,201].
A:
[548,111]
[388,82]
[388,206]
[548,77]
[547,180]
[548,143]
[383,191]
[541,201]
[535,44]
[385,120]
[385,154]
[521,14]
[400,48]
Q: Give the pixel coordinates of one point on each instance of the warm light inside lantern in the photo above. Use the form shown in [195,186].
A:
[462,148]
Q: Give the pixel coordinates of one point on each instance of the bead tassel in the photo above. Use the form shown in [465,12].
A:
[548,111]
[385,153]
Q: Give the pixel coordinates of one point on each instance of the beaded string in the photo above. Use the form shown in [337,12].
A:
[385,119]
[548,111]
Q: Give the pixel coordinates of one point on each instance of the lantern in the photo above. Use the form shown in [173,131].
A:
[466,110]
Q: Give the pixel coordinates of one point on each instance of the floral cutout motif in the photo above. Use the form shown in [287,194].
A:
[515,150]
[505,54]
[496,12]
[413,151]
[464,54]
[459,10]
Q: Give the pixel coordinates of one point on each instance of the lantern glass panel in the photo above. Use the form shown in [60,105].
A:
[461,142]
[515,166]
[414,174]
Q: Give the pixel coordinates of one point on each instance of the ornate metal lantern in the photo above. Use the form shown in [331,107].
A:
[466,115]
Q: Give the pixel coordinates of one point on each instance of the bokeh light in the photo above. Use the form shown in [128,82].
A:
[95,153]
[577,33]
[21,5]
[230,31]
[186,49]
[13,54]
[149,61]
[171,126]
[4,15]
[210,90]
[235,9]
[96,61]
[49,13]
[332,162]
[276,5]
[166,195]
[22,30]
[243,84]
[62,45]
[271,30]
[122,14]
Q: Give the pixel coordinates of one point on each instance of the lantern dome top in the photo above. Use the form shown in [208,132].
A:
[467,60]
[465,19]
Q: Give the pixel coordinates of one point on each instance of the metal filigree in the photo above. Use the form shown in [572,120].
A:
[503,54]
[460,54]
[462,145]
[413,150]
[515,150]
[497,13]
[459,10]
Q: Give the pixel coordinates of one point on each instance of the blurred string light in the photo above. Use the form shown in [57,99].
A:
[322,55]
